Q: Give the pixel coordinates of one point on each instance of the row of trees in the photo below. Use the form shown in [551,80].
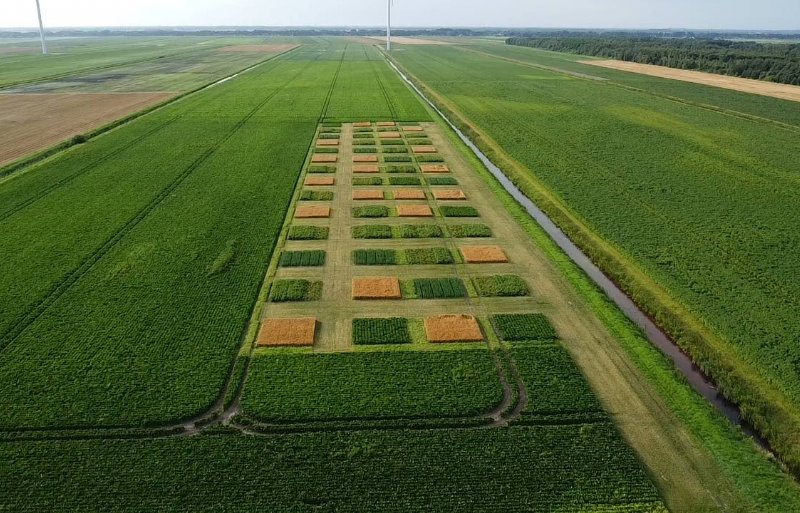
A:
[761,61]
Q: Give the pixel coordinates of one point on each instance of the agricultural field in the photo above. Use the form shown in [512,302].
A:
[296,290]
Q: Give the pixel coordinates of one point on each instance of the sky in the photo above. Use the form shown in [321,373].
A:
[693,14]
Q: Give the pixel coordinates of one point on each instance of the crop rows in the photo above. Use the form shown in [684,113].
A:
[381,331]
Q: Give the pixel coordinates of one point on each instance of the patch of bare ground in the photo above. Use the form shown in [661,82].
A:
[288,332]
[452,328]
[368,194]
[414,211]
[412,129]
[376,288]
[369,168]
[362,124]
[484,255]
[319,180]
[328,142]
[312,212]
[365,158]
[423,149]
[434,168]
[389,135]
[258,48]
[745,85]
[386,123]
[34,122]
[449,194]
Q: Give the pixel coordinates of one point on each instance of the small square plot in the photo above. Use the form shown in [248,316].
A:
[312,212]
[376,288]
[328,142]
[434,168]
[484,255]
[423,149]
[412,129]
[385,123]
[325,159]
[389,135]
[449,194]
[453,328]
[320,180]
[408,194]
[366,168]
[365,158]
[368,194]
[414,211]
[362,124]
[288,332]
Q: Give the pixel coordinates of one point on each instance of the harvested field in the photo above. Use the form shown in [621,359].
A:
[413,129]
[376,288]
[362,124]
[414,211]
[34,122]
[366,169]
[745,85]
[288,332]
[452,328]
[328,142]
[483,255]
[423,149]
[324,159]
[258,48]
[365,158]
[389,135]
[320,180]
[408,194]
[434,168]
[449,194]
[386,123]
[312,212]
[368,194]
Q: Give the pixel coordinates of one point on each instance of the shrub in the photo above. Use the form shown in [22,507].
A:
[375,257]
[381,331]
[442,180]
[373,231]
[516,327]
[312,258]
[399,169]
[371,211]
[365,150]
[423,256]
[296,290]
[78,139]
[463,231]
[430,158]
[316,196]
[507,285]
[404,180]
[418,231]
[397,158]
[457,211]
[321,169]
[308,233]
[367,180]
[439,288]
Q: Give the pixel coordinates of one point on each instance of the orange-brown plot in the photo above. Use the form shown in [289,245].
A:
[328,142]
[414,211]
[386,123]
[324,159]
[412,129]
[367,194]
[312,212]
[288,332]
[365,158]
[362,124]
[453,328]
[320,180]
[408,194]
[483,255]
[449,194]
[423,149]
[434,168]
[376,288]
[389,135]
[368,168]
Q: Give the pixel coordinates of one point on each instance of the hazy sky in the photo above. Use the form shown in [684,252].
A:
[713,14]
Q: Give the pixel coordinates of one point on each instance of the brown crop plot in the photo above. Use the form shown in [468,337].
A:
[434,168]
[33,122]
[386,123]
[452,328]
[423,149]
[320,180]
[389,135]
[362,124]
[376,288]
[414,211]
[412,129]
[312,212]
[324,159]
[366,169]
[483,255]
[328,142]
[368,194]
[365,158]
[288,332]
[449,194]
[408,194]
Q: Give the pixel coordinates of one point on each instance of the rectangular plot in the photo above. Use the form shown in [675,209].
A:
[287,332]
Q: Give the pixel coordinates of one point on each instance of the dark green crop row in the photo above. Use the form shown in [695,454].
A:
[381,331]
[296,290]
[304,232]
[310,258]
[418,256]
[439,288]
[519,327]
[316,196]
[404,231]
[371,211]
[452,211]
[507,285]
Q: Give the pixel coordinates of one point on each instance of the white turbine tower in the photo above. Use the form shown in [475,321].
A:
[41,28]
[388,25]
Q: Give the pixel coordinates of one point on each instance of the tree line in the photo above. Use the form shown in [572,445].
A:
[773,62]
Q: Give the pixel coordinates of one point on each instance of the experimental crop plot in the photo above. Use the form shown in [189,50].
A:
[368,194]
[519,327]
[381,331]
[414,211]
[452,328]
[366,169]
[316,181]
[449,194]
[288,332]
[376,288]
[312,212]
[434,168]
[408,194]
[483,255]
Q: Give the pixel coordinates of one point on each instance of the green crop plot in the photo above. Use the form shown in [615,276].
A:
[417,231]
[372,231]
[312,258]
[367,180]
[465,231]
[371,211]
[439,288]
[308,232]
[451,211]
[404,180]
[395,149]
[441,180]
[398,169]
[427,256]
[506,285]
[316,196]
[296,290]
[516,327]
[381,331]
[375,257]
[365,150]
[321,169]
[398,158]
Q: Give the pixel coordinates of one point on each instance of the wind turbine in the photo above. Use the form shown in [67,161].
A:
[41,28]
[388,24]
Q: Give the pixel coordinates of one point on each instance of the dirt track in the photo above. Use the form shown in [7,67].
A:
[33,122]
[746,85]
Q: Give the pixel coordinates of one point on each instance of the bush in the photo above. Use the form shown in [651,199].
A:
[517,327]
[424,256]
[442,180]
[397,158]
[316,196]
[313,258]
[451,211]
[439,288]
[371,211]
[308,233]
[507,285]
[321,169]
[367,180]
[404,180]
[375,257]
[463,231]
[78,139]
[418,231]
[381,331]
[373,231]
[296,290]
[399,169]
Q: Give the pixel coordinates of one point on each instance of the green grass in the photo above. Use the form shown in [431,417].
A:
[428,256]
[517,327]
[404,180]
[309,258]
[374,257]
[303,232]
[371,211]
[367,180]
[296,290]
[316,196]
[502,285]
[441,180]
[464,231]
[453,211]
[381,331]
[439,288]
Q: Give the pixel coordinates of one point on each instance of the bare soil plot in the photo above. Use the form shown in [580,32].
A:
[452,328]
[324,159]
[328,142]
[483,255]
[414,211]
[312,212]
[288,332]
[366,169]
[362,124]
[746,85]
[365,158]
[449,194]
[386,123]
[413,129]
[258,48]
[368,194]
[434,168]
[319,180]
[408,194]
[389,135]
[423,149]
[33,122]
[376,288]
